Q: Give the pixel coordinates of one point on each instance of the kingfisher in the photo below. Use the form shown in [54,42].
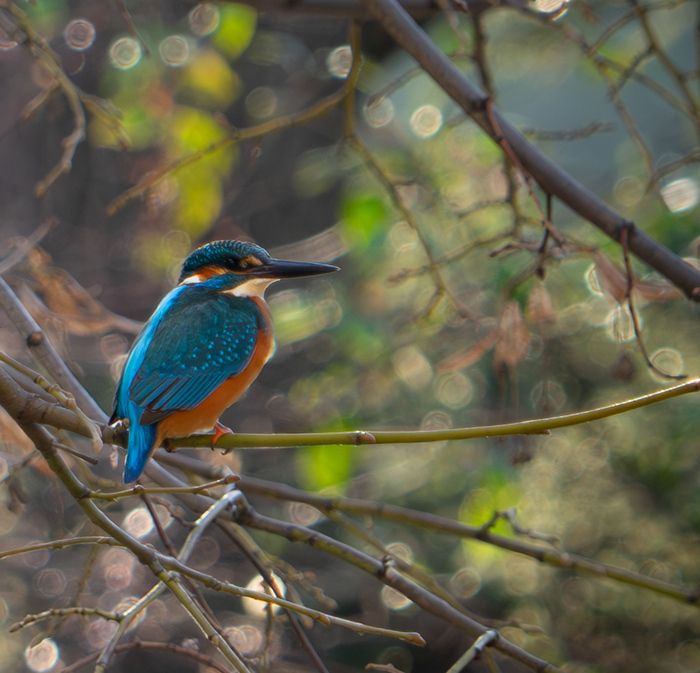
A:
[204,345]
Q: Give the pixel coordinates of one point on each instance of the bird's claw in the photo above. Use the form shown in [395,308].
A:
[219,431]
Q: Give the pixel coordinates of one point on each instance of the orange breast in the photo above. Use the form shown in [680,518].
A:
[203,417]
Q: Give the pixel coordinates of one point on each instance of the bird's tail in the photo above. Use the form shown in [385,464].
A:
[142,440]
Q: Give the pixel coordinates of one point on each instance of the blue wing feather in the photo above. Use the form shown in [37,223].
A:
[201,342]
[196,339]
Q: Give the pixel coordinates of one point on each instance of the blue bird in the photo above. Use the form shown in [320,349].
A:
[204,345]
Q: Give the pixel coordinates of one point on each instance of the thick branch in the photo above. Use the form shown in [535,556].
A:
[391,577]
[438,524]
[551,178]
[33,409]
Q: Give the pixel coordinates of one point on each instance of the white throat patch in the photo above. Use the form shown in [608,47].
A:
[255,287]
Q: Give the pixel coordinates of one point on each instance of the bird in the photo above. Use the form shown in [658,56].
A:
[202,347]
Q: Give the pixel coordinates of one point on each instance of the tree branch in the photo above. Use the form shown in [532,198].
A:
[548,175]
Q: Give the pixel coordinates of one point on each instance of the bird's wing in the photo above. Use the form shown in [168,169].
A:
[196,347]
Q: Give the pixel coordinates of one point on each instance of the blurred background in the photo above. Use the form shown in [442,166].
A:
[448,311]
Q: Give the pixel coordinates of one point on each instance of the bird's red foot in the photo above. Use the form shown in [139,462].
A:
[219,431]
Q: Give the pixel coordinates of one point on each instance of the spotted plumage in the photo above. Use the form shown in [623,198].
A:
[204,344]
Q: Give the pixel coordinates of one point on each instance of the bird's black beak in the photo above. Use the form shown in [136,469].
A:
[282,268]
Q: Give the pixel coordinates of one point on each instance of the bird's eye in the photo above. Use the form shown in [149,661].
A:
[249,261]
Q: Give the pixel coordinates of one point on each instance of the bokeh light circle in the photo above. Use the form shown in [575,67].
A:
[255,607]
[175,51]
[204,19]
[426,121]
[303,514]
[79,34]
[629,191]
[454,390]
[551,6]
[247,639]
[465,582]
[50,582]
[400,550]
[339,61]
[669,361]
[680,195]
[41,657]
[394,600]
[380,112]
[261,102]
[138,522]
[125,53]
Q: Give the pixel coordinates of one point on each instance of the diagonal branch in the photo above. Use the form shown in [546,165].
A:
[45,353]
[548,175]
[438,524]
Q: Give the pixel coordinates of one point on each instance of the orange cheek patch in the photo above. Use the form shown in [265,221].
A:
[205,273]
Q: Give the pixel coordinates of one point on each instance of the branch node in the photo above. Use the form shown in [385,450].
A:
[625,228]
[35,339]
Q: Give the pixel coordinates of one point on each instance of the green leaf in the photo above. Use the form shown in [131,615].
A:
[363,217]
[236,29]
[322,467]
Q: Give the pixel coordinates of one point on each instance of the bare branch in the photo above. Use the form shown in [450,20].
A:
[547,174]
[45,353]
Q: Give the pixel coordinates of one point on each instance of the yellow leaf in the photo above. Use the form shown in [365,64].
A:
[209,79]
[236,29]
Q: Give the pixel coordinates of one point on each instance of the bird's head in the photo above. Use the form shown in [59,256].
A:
[250,267]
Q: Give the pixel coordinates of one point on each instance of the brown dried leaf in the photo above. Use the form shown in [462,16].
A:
[539,305]
[514,337]
[68,302]
[612,279]
[657,291]
[12,439]
[471,355]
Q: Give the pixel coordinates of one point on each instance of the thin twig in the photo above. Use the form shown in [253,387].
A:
[43,53]
[26,245]
[171,648]
[629,292]
[474,651]
[235,136]
[131,26]
[44,352]
[657,49]
[550,177]
[445,526]
[140,490]
[60,544]
[390,187]
[64,612]
[259,560]
[139,606]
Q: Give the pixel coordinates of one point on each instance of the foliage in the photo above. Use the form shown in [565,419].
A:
[468,296]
